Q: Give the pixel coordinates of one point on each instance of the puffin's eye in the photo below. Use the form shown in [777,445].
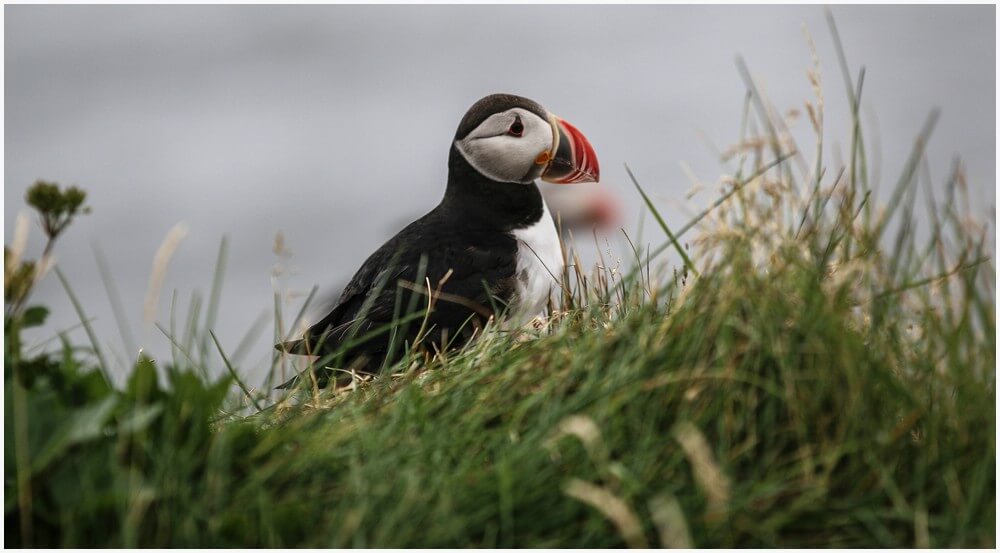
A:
[516,128]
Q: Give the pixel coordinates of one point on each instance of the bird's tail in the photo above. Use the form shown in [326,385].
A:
[293,381]
[289,384]
[324,376]
[294,347]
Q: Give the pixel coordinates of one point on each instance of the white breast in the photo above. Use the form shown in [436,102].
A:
[539,267]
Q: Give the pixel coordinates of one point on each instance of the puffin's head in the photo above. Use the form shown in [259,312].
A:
[508,138]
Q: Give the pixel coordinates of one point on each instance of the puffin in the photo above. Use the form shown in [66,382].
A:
[489,249]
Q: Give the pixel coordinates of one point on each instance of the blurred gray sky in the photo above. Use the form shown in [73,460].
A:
[332,123]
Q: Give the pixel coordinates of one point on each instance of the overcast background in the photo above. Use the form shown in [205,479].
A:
[332,124]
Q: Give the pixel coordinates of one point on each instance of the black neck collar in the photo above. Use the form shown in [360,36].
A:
[484,202]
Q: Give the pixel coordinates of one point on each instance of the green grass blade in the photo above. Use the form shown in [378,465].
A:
[215,296]
[104,368]
[117,307]
[232,372]
[662,223]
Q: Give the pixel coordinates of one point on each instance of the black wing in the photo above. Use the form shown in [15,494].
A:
[476,270]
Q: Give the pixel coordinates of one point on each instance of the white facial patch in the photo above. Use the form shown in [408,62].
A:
[496,153]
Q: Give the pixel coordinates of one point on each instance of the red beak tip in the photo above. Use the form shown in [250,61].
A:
[577,161]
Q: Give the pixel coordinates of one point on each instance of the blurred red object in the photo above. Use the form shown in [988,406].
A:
[582,206]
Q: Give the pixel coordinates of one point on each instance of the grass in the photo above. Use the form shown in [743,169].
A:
[818,383]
